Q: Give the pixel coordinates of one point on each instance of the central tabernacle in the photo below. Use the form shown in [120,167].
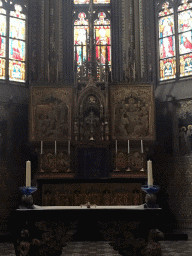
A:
[92,163]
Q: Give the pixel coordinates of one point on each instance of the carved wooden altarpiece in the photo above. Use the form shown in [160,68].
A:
[91,113]
[50,123]
[132,110]
[100,117]
[50,114]
[133,127]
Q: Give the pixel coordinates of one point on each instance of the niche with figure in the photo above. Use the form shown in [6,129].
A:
[91,119]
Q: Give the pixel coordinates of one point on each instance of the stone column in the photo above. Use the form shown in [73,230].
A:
[117,69]
[137,40]
[67,41]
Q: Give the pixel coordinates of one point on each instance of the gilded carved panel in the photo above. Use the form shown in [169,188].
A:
[95,193]
[51,162]
[134,161]
[50,114]
[132,110]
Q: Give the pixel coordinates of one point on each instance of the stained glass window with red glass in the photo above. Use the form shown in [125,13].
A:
[92,39]
[175,41]
[185,38]
[3,26]
[102,30]
[94,1]
[12,41]
[167,63]
[81,30]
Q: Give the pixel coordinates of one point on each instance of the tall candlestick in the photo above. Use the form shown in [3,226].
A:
[116,146]
[57,71]
[128,150]
[141,146]
[48,72]
[41,147]
[149,172]
[134,71]
[28,174]
[55,147]
[69,147]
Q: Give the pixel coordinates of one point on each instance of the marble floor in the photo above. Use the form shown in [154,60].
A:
[169,248]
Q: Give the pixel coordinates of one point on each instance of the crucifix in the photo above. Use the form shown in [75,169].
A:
[92,44]
[92,41]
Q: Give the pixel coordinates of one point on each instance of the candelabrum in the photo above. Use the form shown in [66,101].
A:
[150,198]
[69,165]
[116,169]
[27,199]
[128,163]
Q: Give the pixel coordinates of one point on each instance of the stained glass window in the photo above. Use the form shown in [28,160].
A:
[175,42]
[94,1]
[81,31]
[167,62]
[101,1]
[14,41]
[17,45]
[92,41]
[2,40]
[185,37]
[102,32]
[81,1]
[103,39]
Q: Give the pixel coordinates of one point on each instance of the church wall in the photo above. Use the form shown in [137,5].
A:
[13,148]
[172,156]
[177,90]
[171,160]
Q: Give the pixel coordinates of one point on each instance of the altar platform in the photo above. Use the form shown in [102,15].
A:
[46,229]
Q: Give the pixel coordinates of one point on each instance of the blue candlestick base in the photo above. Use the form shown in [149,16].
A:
[28,190]
[27,199]
[150,189]
[150,198]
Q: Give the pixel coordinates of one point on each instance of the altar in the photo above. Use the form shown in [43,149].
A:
[44,230]
[92,143]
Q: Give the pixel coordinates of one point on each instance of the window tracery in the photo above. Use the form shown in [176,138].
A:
[12,44]
[185,37]
[92,40]
[94,1]
[167,43]
[175,41]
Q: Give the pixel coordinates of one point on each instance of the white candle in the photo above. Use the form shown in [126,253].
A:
[41,147]
[149,172]
[128,150]
[116,146]
[69,147]
[55,147]
[141,146]
[28,174]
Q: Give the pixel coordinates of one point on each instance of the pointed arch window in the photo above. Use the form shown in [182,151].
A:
[81,31]
[92,39]
[167,43]
[175,40]
[94,1]
[12,41]
[185,38]
[102,30]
